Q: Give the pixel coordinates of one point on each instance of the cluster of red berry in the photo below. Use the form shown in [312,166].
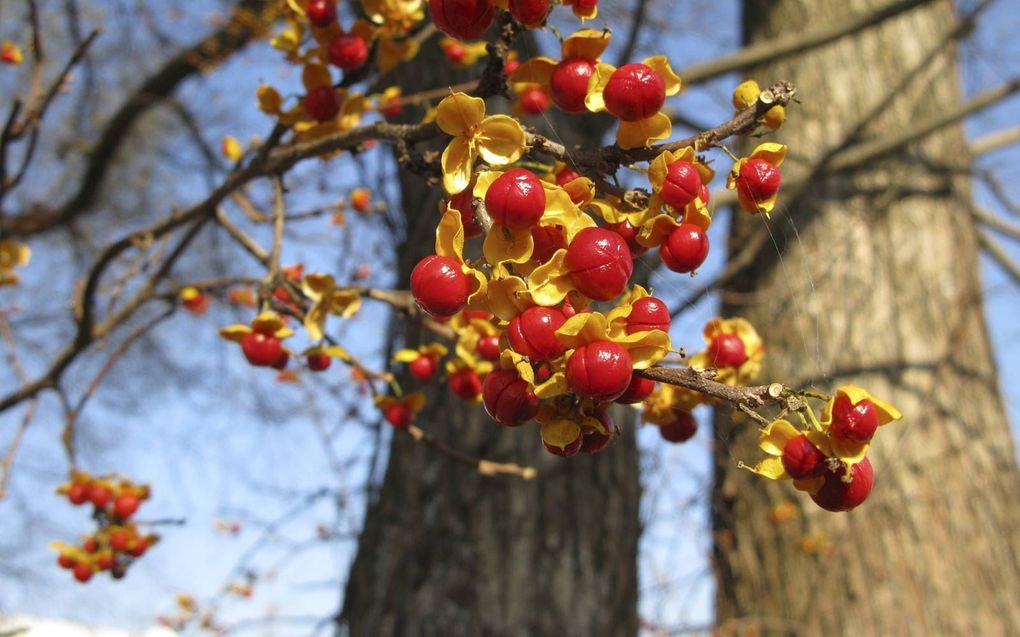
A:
[117,541]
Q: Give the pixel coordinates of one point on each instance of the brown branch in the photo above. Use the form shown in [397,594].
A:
[995,222]
[996,251]
[484,467]
[995,141]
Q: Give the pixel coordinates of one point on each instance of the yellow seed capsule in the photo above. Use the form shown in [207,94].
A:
[746,95]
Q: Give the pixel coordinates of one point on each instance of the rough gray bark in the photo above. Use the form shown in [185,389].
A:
[878,284]
[447,551]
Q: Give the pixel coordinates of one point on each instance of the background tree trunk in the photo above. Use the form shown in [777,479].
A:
[877,284]
[447,551]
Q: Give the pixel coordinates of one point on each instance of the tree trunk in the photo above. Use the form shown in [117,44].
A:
[877,284]
[447,551]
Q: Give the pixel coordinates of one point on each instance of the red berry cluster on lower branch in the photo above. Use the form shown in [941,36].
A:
[117,542]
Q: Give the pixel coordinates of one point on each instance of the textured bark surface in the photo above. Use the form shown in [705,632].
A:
[446,551]
[878,284]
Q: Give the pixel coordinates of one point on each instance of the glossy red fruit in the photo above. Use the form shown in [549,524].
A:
[398,415]
[682,429]
[584,6]
[648,313]
[282,361]
[758,180]
[516,199]
[534,101]
[836,495]
[629,234]
[463,202]
[90,545]
[100,495]
[727,350]
[466,384]
[685,249]
[566,175]
[548,239]
[347,51]
[596,441]
[78,493]
[802,459]
[568,85]
[125,505]
[477,315]
[704,194]
[600,371]
[530,13]
[508,398]
[319,362]
[138,548]
[82,572]
[532,333]
[261,350]
[566,452]
[440,286]
[854,423]
[639,389]
[462,19]
[423,367]
[106,561]
[682,185]
[118,539]
[65,561]
[320,12]
[488,347]
[511,66]
[600,263]
[634,92]
[568,309]
[322,103]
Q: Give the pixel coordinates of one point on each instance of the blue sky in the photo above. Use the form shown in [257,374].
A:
[218,441]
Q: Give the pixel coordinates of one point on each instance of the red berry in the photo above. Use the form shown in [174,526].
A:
[600,371]
[138,548]
[532,333]
[639,389]
[704,194]
[629,234]
[634,92]
[78,493]
[570,450]
[455,52]
[348,51]
[281,361]
[480,315]
[398,415]
[510,66]
[82,572]
[566,175]
[568,308]
[319,362]
[440,286]
[423,367]
[463,202]
[90,545]
[682,429]
[802,459]
[596,441]
[516,199]
[568,84]
[322,103]
[685,249]
[548,239]
[727,350]
[530,13]
[100,495]
[854,423]
[106,561]
[462,19]
[682,185]
[600,263]
[488,347]
[65,561]
[508,399]
[534,101]
[320,12]
[758,180]
[836,495]
[261,350]
[466,384]
[648,313]
[584,6]
[118,539]
[125,505]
